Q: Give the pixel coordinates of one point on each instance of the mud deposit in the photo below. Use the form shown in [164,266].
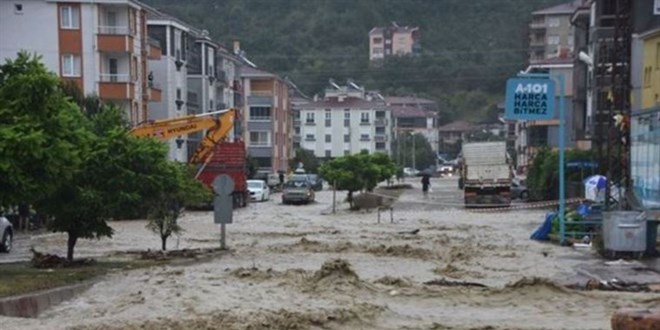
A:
[301,267]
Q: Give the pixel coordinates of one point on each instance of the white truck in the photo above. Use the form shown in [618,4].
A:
[485,174]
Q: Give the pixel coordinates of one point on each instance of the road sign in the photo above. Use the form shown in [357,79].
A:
[530,99]
[223,184]
[223,209]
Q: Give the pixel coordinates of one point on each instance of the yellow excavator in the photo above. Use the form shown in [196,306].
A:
[214,154]
[217,124]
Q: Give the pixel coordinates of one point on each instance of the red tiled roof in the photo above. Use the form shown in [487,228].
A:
[564,8]
[457,126]
[407,100]
[410,112]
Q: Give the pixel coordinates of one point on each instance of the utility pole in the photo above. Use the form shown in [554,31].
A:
[413,151]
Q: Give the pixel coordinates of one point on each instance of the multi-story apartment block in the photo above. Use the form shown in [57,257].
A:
[551,32]
[101,46]
[170,74]
[393,40]
[415,115]
[265,121]
[346,121]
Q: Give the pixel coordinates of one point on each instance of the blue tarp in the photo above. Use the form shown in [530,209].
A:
[543,232]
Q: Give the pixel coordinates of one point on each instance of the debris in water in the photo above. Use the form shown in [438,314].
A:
[444,282]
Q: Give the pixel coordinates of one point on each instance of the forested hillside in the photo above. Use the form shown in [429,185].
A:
[469,47]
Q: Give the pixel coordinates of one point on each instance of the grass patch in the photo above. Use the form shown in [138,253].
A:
[22,278]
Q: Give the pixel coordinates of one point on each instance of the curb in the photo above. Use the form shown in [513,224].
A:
[32,304]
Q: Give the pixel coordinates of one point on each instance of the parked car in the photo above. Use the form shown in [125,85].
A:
[297,191]
[259,190]
[409,171]
[317,182]
[519,189]
[7,232]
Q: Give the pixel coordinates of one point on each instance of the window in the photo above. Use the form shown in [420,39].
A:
[364,137]
[259,113]
[647,76]
[553,22]
[347,114]
[296,115]
[296,145]
[377,50]
[347,138]
[260,138]
[328,153]
[18,9]
[309,118]
[380,130]
[380,145]
[296,130]
[310,137]
[364,118]
[377,40]
[70,65]
[210,104]
[69,17]
[380,114]
[553,40]
[178,93]
[328,138]
[328,118]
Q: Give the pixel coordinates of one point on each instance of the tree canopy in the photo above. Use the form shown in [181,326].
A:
[468,47]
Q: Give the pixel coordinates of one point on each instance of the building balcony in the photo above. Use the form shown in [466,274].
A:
[537,26]
[365,123]
[296,122]
[155,51]
[380,122]
[116,87]
[260,100]
[154,92]
[114,39]
[380,138]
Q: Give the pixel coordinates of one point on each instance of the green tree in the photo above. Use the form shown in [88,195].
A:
[358,172]
[307,158]
[179,188]
[117,176]
[42,134]
[418,145]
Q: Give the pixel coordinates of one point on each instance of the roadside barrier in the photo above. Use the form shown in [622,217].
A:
[480,208]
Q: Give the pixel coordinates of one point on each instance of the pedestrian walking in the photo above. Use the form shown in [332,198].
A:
[426,184]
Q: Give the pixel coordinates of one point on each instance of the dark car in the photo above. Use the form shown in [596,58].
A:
[316,181]
[519,189]
[297,191]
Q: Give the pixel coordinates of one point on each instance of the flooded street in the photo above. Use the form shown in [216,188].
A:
[292,267]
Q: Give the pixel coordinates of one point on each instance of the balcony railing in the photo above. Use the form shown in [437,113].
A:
[115,77]
[117,30]
[380,138]
[260,144]
[380,122]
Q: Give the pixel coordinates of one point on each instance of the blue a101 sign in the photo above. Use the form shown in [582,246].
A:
[530,99]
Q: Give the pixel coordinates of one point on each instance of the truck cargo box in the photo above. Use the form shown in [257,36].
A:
[484,153]
[228,158]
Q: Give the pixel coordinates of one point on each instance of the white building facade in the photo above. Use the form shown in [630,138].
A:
[342,125]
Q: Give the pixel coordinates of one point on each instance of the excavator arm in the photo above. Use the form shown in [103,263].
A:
[217,124]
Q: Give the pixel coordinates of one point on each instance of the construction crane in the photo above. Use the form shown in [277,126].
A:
[217,124]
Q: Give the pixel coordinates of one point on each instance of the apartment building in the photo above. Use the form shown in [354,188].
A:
[393,40]
[169,73]
[551,32]
[101,46]
[416,121]
[411,102]
[346,121]
[265,121]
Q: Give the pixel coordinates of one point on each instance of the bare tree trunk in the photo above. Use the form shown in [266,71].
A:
[71,243]
[163,240]
[350,199]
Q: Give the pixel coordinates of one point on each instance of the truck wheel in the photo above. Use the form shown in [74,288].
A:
[460,183]
[7,242]
[524,195]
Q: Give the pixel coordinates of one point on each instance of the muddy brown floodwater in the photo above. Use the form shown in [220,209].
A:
[297,267]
